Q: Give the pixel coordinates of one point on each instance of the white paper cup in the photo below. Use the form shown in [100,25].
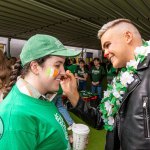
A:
[80,135]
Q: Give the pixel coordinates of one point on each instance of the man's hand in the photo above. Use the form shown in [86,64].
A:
[93,83]
[69,86]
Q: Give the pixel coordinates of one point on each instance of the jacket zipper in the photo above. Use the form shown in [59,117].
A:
[146,117]
[118,126]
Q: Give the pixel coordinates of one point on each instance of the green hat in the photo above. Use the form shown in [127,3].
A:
[41,45]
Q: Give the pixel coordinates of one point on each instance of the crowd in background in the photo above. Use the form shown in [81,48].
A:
[90,76]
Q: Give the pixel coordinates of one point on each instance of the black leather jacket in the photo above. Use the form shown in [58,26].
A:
[132,123]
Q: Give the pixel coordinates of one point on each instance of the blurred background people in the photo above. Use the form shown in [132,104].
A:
[73,66]
[5,71]
[81,75]
[111,72]
[97,72]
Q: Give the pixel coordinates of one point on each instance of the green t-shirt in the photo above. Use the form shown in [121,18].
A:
[27,123]
[111,72]
[81,72]
[97,73]
[72,68]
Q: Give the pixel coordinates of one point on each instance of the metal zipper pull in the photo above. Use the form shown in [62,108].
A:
[146,117]
[145,102]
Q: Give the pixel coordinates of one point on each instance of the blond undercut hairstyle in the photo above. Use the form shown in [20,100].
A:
[111,24]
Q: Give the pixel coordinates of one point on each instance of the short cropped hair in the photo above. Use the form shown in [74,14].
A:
[81,61]
[96,58]
[111,24]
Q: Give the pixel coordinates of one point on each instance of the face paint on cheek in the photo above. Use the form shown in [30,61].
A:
[51,72]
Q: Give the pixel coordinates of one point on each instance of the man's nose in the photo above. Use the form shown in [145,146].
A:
[106,54]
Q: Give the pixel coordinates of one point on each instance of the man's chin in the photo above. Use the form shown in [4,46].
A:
[117,65]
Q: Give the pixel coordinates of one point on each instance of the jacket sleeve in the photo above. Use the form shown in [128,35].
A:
[90,115]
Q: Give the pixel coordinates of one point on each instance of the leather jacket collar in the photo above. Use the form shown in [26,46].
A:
[144,64]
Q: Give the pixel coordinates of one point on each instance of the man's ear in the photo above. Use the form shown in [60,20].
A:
[128,36]
[34,66]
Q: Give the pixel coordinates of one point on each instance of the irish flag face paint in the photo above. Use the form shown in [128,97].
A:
[51,72]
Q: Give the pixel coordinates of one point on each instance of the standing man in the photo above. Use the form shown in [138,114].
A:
[97,73]
[73,66]
[125,107]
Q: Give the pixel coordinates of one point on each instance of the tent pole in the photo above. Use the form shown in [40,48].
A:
[9,55]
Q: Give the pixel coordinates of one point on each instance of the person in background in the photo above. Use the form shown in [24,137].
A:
[67,63]
[73,65]
[81,75]
[111,72]
[62,109]
[90,65]
[5,72]
[97,72]
[28,119]
[12,61]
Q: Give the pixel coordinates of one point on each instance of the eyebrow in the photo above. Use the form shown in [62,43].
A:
[59,62]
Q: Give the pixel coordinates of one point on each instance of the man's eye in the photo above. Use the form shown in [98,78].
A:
[107,45]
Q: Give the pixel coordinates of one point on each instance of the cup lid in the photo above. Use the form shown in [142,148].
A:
[80,129]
